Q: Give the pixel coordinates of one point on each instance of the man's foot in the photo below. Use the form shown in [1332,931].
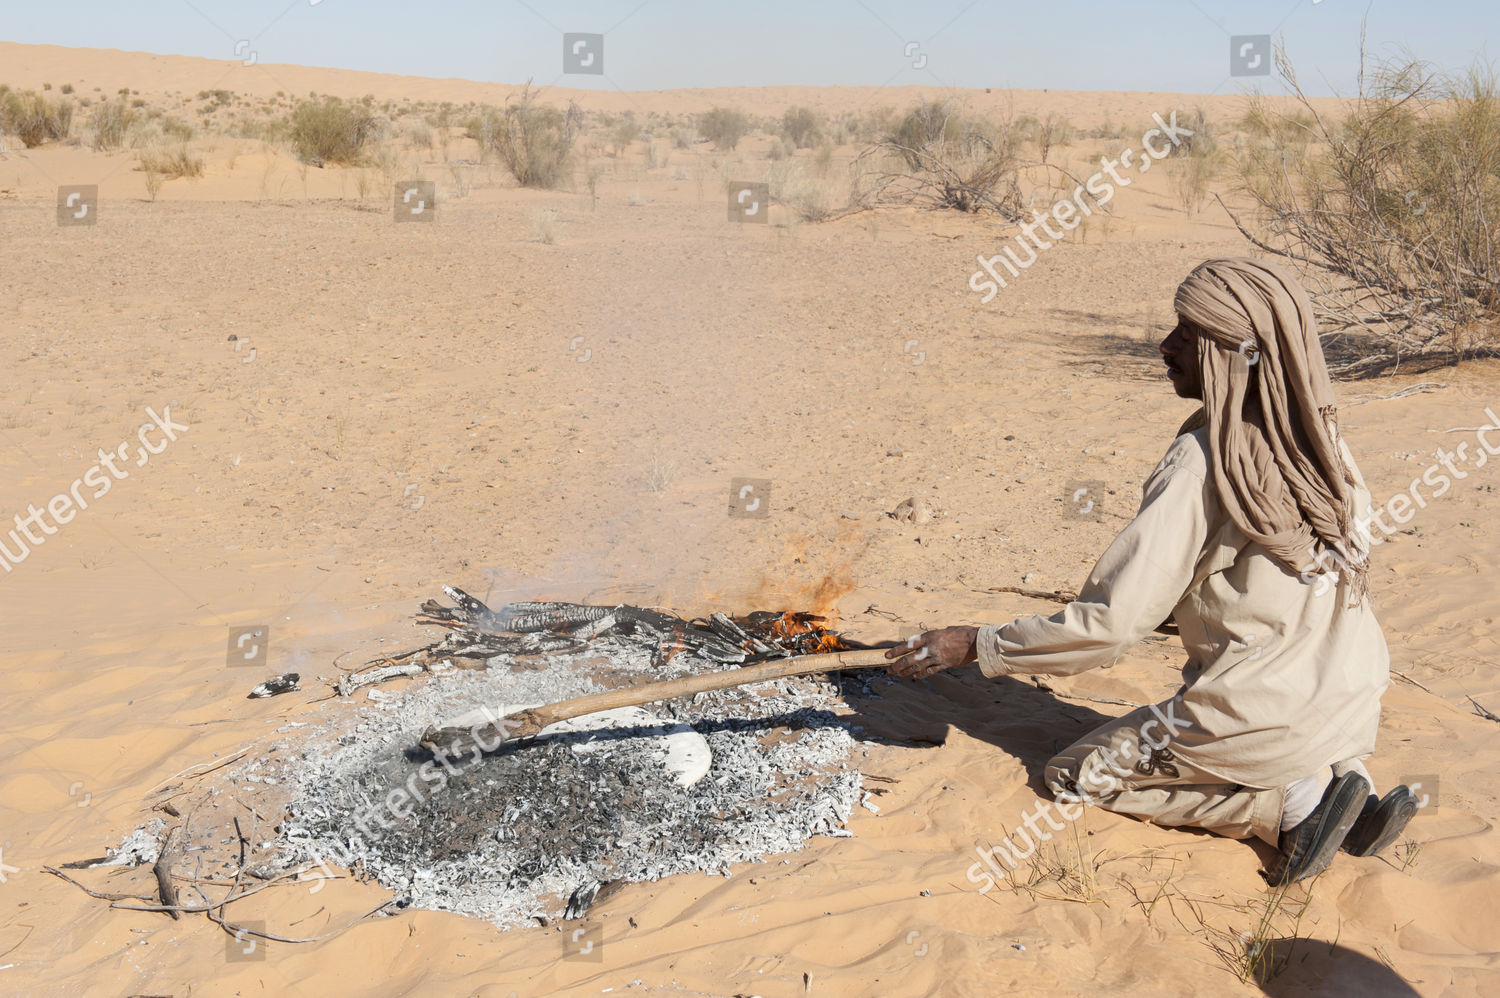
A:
[1381,822]
[1308,848]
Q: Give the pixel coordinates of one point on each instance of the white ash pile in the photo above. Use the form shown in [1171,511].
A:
[517,833]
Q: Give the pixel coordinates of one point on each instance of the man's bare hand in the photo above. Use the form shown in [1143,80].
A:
[933,651]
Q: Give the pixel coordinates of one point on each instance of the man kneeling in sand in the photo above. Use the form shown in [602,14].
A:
[1253,537]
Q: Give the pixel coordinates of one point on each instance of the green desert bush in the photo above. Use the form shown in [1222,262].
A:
[801,128]
[723,126]
[625,133]
[480,127]
[331,131]
[535,142]
[174,128]
[943,131]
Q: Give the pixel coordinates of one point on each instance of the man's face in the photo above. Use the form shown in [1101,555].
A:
[1180,353]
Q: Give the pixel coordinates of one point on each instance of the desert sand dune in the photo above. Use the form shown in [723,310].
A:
[537,395]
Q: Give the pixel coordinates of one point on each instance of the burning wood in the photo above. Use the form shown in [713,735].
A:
[530,628]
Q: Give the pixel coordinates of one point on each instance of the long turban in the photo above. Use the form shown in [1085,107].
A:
[1272,419]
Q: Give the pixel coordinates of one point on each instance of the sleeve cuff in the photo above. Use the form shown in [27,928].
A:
[991,648]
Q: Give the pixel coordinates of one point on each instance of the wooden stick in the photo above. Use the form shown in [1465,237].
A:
[487,737]
[163,871]
[1060,596]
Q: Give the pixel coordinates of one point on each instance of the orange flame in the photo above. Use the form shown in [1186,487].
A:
[800,627]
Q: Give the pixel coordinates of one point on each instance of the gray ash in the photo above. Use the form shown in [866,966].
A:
[513,835]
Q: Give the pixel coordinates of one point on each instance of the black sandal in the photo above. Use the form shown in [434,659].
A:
[1307,849]
[1381,822]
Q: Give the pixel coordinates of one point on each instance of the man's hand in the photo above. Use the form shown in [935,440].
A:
[933,651]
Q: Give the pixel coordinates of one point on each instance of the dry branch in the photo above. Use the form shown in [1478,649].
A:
[1389,209]
[359,680]
[163,870]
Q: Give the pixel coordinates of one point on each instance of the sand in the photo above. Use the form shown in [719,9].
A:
[463,402]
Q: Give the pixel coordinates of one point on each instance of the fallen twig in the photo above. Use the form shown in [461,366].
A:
[1401,675]
[207,768]
[1108,700]
[1417,389]
[206,906]
[1056,596]
[1483,711]
[101,895]
[240,931]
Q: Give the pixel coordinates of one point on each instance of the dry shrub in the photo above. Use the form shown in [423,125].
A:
[1390,208]
[1196,162]
[171,162]
[823,158]
[331,131]
[34,118]
[419,134]
[805,197]
[1052,131]
[1192,176]
[154,180]
[938,157]
[111,121]
[535,141]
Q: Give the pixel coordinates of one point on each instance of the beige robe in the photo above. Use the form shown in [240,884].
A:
[1282,677]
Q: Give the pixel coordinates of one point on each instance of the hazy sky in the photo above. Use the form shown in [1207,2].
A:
[1171,45]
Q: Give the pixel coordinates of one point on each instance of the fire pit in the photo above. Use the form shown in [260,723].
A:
[533,828]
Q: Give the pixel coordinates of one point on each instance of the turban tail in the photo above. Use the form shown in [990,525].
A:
[1272,419]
